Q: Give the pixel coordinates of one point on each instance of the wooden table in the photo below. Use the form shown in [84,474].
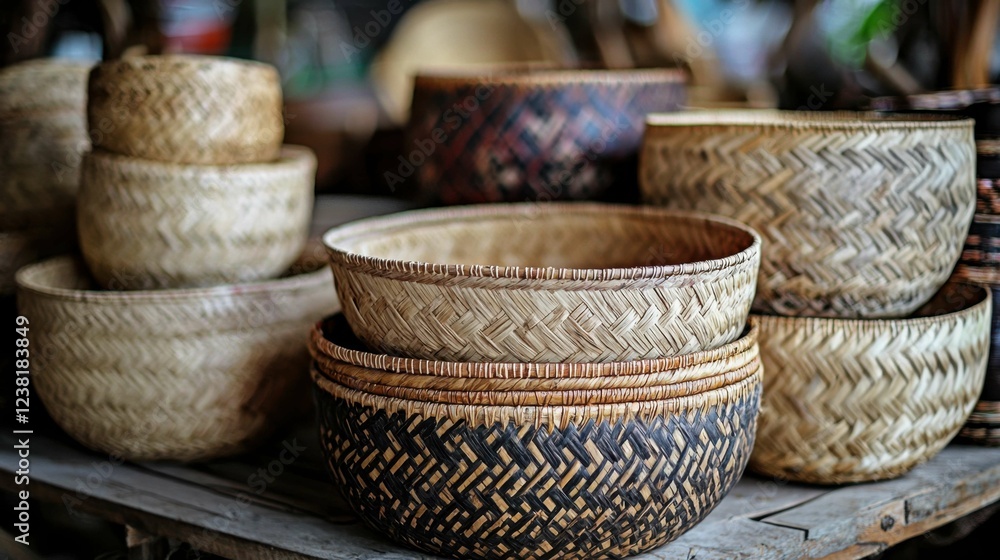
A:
[258,507]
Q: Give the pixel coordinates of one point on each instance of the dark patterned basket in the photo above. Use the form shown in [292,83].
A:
[983,426]
[980,261]
[491,482]
[988,196]
[516,135]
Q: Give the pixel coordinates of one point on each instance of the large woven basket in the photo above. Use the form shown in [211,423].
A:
[544,282]
[334,347]
[598,481]
[187,109]
[856,400]
[146,224]
[172,374]
[861,215]
[43,85]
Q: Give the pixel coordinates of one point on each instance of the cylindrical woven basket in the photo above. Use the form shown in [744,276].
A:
[146,224]
[491,482]
[187,109]
[544,282]
[50,139]
[856,400]
[862,215]
[526,134]
[179,375]
[43,85]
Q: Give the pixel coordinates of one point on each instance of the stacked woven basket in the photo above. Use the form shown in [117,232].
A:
[43,131]
[589,388]
[873,360]
[181,335]
[980,260]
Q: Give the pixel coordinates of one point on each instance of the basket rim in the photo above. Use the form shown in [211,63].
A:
[876,325]
[191,58]
[26,282]
[292,157]
[542,74]
[802,120]
[430,217]
[319,344]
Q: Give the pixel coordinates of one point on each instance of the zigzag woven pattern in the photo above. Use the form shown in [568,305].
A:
[587,312]
[153,225]
[593,488]
[851,401]
[37,87]
[187,109]
[861,216]
[528,139]
[169,375]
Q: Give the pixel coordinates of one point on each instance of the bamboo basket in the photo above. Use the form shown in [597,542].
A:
[43,85]
[38,196]
[332,339]
[544,282]
[491,482]
[180,375]
[983,426]
[862,215]
[855,400]
[980,260]
[987,196]
[54,138]
[146,224]
[187,109]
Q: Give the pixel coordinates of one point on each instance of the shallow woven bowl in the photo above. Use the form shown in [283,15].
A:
[186,109]
[855,400]
[517,133]
[544,282]
[599,481]
[862,215]
[146,224]
[177,375]
[342,359]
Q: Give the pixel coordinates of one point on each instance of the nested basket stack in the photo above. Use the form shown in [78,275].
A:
[538,381]
[180,335]
[873,361]
[980,260]
[43,132]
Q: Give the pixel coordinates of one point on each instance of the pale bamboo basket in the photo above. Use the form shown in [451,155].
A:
[187,109]
[38,196]
[53,139]
[860,400]
[862,215]
[334,347]
[642,473]
[179,375]
[43,85]
[544,282]
[146,224]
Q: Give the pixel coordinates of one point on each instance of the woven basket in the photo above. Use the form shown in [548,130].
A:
[147,224]
[544,282]
[187,109]
[988,196]
[861,215]
[599,481]
[56,138]
[853,400]
[341,357]
[174,374]
[983,426]
[42,86]
[521,134]
[38,196]
[980,260]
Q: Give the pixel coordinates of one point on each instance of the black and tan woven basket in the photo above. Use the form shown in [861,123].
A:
[492,482]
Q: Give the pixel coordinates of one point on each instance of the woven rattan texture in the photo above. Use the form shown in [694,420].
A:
[592,488]
[173,374]
[43,85]
[859,219]
[186,109]
[147,224]
[558,282]
[851,401]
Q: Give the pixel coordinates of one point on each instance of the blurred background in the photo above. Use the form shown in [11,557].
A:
[347,65]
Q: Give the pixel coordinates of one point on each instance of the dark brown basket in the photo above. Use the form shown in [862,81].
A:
[491,482]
